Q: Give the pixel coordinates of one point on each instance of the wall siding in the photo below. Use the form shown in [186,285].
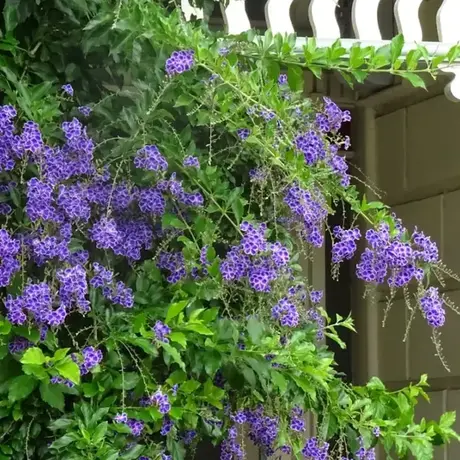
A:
[418,168]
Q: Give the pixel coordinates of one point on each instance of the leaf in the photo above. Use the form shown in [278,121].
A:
[62,442]
[375,384]
[199,328]
[279,381]
[171,220]
[99,432]
[295,78]
[174,354]
[415,79]
[60,354]
[69,370]
[447,419]
[396,47]
[178,337]
[52,394]
[190,386]
[184,99]
[175,309]
[21,387]
[5,327]
[33,356]
[255,329]
[126,381]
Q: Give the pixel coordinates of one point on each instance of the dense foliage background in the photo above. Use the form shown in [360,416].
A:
[160,189]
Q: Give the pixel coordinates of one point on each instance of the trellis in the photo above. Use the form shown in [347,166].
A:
[365,22]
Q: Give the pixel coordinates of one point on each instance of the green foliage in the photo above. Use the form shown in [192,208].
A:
[114,53]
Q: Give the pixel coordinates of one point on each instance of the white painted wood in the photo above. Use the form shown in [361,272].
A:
[447,21]
[189,10]
[235,17]
[452,90]
[365,19]
[323,20]
[278,17]
[407,19]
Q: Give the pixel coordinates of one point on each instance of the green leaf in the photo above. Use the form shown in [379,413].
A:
[99,433]
[21,387]
[199,328]
[69,370]
[52,394]
[126,381]
[33,356]
[255,329]
[178,337]
[415,79]
[396,48]
[295,77]
[171,220]
[184,99]
[63,441]
[190,386]
[174,354]
[279,381]
[60,354]
[175,309]
[5,327]
[447,419]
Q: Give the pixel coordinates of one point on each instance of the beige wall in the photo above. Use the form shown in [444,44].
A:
[414,156]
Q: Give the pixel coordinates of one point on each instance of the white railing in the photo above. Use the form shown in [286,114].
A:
[366,27]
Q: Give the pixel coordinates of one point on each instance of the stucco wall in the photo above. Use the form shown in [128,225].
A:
[417,164]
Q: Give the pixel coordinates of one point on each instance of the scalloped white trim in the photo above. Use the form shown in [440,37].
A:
[189,10]
[407,19]
[365,19]
[235,17]
[323,20]
[278,17]
[447,21]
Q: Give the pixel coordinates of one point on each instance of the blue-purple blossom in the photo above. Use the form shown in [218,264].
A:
[180,62]
[85,110]
[91,358]
[150,158]
[191,162]
[161,331]
[68,89]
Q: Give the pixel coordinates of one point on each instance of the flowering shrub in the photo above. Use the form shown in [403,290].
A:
[149,263]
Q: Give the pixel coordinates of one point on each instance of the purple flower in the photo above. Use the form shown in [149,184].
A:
[432,308]
[180,62]
[85,110]
[91,358]
[136,426]
[67,88]
[120,418]
[243,133]
[191,162]
[161,331]
[150,158]
[282,79]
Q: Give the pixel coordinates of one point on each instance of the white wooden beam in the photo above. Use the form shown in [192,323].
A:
[365,19]
[277,14]
[235,17]
[323,19]
[447,21]
[407,19]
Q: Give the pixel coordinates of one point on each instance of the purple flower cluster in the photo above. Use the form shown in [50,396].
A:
[392,258]
[161,331]
[9,264]
[150,158]
[180,62]
[312,146]
[344,245]
[309,210]
[243,133]
[332,117]
[91,358]
[136,426]
[314,449]
[85,110]
[263,429]
[364,454]
[297,422]
[59,380]
[230,448]
[166,427]
[173,262]
[286,313]
[161,400]
[315,316]
[255,259]
[18,345]
[68,89]
[191,162]
[432,307]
